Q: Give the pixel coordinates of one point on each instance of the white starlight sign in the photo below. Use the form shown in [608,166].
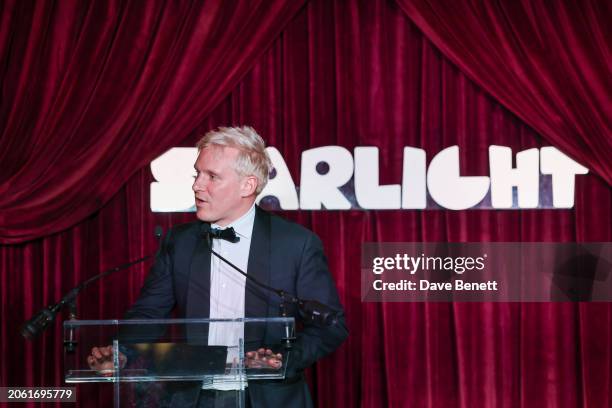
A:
[334,178]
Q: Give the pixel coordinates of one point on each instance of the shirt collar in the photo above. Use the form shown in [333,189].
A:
[243,226]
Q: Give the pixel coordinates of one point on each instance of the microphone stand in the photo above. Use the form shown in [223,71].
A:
[70,343]
[39,322]
[284,297]
[313,310]
[46,316]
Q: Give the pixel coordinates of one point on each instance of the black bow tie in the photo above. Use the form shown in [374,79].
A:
[227,234]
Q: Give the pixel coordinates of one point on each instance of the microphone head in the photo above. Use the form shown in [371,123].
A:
[159,231]
[205,231]
[318,313]
[37,324]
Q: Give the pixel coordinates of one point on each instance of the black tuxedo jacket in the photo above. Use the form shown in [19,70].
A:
[283,255]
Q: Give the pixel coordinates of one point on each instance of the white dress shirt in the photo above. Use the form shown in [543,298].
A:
[227,288]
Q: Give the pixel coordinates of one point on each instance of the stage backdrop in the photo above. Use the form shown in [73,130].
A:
[343,73]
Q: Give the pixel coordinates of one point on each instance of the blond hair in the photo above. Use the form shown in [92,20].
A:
[252,157]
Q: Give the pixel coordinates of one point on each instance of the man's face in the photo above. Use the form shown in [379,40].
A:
[221,195]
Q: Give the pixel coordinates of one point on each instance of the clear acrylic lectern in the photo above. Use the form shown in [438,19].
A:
[152,358]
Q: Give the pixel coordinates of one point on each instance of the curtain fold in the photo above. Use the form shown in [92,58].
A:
[549,63]
[92,91]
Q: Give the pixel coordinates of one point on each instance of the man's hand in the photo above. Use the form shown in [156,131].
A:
[263,358]
[101,360]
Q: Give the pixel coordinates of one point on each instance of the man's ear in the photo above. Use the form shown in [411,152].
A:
[249,186]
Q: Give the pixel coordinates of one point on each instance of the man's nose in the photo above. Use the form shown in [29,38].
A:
[198,184]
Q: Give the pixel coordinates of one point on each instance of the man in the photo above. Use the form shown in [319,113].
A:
[231,170]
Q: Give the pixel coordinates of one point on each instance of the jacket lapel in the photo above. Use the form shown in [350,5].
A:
[198,289]
[256,298]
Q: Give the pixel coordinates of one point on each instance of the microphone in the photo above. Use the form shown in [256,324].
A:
[39,322]
[158,232]
[318,313]
[311,310]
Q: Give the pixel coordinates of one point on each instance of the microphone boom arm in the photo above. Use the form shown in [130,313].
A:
[312,310]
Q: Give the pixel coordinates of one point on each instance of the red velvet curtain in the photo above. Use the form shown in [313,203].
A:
[549,62]
[92,91]
[356,74]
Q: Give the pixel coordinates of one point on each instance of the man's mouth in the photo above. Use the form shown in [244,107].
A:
[200,202]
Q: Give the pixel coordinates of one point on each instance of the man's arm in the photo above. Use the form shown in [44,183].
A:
[156,298]
[314,282]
